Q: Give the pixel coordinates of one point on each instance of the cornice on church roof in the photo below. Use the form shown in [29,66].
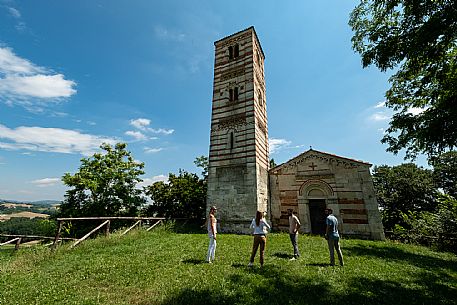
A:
[245,30]
[320,152]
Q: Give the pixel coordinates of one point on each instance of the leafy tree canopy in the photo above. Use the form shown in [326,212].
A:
[419,39]
[203,163]
[445,172]
[105,185]
[403,189]
[183,196]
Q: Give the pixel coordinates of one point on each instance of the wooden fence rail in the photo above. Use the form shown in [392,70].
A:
[106,223]
[17,240]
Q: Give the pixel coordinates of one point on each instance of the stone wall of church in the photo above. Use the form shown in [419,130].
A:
[314,181]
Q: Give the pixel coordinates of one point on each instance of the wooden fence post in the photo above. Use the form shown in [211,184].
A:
[59,229]
[18,242]
[107,228]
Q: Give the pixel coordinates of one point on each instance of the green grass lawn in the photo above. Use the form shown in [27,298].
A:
[162,267]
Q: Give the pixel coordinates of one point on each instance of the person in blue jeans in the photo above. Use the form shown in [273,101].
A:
[333,237]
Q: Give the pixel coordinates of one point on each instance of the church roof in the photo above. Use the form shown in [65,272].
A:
[322,153]
[249,28]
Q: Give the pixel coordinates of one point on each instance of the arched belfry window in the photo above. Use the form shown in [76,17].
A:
[234,51]
[233,94]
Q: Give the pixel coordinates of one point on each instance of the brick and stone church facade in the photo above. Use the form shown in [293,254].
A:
[240,181]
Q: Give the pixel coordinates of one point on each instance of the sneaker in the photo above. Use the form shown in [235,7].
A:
[250,264]
[209,262]
[292,259]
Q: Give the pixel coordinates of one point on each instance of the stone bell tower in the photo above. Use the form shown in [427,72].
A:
[238,153]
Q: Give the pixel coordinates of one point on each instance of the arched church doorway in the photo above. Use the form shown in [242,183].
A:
[317,216]
[315,195]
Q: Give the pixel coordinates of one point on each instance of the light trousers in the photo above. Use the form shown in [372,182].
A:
[211,249]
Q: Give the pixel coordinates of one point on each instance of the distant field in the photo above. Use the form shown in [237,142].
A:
[163,267]
[4,217]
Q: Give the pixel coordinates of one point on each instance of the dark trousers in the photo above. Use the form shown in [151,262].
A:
[294,241]
[259,240]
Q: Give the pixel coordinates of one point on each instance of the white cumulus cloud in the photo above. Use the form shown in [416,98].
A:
[140,123]
[143,125]
[149,181]
[137,135]
[45,182]
[277,144]
[10,63]
[26,84]
[38,86]
[50,140]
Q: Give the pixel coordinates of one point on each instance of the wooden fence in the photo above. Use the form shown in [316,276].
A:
[106,223]
[17,239]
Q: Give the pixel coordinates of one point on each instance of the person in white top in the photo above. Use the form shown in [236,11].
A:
[212,233]
[294,225]
[261,228]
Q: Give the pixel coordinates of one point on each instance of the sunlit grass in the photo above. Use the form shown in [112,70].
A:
[162,267]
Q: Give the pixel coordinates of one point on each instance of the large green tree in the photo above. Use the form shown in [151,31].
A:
[105,185]
[417,38]
[445,172]
[401,190]
[182,196]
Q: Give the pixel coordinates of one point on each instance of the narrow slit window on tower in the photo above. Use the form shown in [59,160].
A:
[230,49]
[236,52]
[231,95]
[232,140]
[235,94]
[260,98]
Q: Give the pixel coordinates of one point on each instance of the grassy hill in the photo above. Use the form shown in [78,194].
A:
[162,267]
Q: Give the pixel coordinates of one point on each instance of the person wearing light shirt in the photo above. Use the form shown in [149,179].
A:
[261,228]
[212,234]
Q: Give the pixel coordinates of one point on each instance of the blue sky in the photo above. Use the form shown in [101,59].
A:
[74,74]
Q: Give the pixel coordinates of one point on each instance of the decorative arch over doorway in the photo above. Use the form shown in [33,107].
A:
[315,195]
[315,188]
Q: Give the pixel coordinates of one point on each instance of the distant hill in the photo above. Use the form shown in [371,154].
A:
[39,202]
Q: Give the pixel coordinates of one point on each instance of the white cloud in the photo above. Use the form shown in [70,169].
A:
[380,105]
[38,86]
[161,131]
[137,135]
[149,181]
[45,182]
[379,116]
[416,111]
[10,63]
[152,150]
[51,140]
[277,144]
[140,123]
[28,85]
[14,12]
[143,125]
